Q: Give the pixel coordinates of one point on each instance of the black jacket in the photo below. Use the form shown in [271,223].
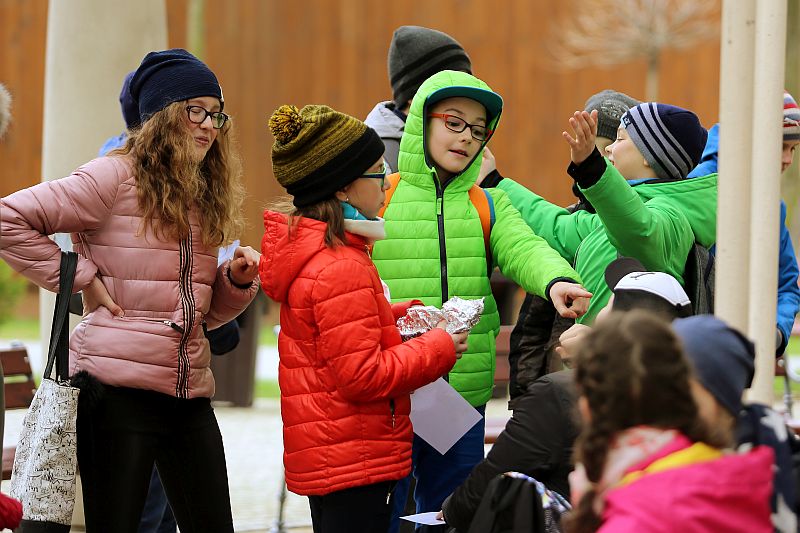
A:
[537,441]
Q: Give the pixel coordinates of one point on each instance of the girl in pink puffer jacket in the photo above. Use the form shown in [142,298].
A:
[147,222]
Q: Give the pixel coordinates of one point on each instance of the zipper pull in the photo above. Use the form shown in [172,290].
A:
[175,326]
[391,404]
[439,206]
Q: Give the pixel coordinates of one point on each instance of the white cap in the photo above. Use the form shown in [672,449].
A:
[658,283]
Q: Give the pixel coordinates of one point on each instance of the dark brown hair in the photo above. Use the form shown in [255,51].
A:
[631,370]
[328,211]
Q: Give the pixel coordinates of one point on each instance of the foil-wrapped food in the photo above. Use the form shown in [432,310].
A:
[461,315]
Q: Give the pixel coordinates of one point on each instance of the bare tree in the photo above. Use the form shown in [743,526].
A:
[602,33]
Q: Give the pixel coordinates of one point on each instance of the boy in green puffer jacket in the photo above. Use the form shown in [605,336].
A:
[646,209]
[434,249]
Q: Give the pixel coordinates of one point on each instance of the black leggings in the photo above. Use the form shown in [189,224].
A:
[128,431]
[364,509]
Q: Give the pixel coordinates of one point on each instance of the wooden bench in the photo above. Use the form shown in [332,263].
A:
[18,388]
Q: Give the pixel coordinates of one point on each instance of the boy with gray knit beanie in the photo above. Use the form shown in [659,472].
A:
[645,207]
[415,54]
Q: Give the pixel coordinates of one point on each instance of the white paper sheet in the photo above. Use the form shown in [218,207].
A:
[428,519]
[226,252]
[440,415]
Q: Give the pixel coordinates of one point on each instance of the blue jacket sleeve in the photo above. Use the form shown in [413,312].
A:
[788,291]
[708,163]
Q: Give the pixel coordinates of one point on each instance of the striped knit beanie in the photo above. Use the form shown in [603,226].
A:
[670,138]
[416,54]
[791,118]
[318,150]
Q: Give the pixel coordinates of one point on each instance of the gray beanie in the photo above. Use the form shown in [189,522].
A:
[610,106]
[416,54]
[5,109]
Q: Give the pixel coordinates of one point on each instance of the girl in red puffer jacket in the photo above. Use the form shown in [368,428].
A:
[345,376]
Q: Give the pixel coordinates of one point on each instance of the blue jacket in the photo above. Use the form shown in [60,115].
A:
[788,291]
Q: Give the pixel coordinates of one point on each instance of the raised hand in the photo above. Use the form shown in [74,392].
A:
[584,126]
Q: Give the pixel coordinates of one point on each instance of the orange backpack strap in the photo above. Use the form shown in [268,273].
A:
[394,180]
[484,204]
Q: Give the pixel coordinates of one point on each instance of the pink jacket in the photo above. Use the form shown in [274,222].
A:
[166,289]
[728,494]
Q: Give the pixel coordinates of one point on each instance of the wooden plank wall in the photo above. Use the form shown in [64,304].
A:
[270,52]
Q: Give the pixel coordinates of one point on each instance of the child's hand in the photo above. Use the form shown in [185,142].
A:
[585,127]
[570,299]
[488,164]
[244,265]
[459,339]
[96,295]
[569,341]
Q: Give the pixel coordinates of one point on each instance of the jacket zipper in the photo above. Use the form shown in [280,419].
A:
[174,325]
[391,405]
[442,246]
[188,305]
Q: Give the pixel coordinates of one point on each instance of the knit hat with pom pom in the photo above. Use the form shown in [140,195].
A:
[318,150]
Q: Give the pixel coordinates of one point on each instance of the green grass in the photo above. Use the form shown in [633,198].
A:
[267,337]
[267,388]
[20,329]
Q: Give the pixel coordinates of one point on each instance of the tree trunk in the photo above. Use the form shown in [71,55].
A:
[651,87]
[196,28]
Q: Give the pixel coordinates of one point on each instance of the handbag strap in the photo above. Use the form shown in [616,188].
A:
[59,333]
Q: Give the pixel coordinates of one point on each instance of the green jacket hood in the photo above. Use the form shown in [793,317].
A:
[413,161]
[697,196]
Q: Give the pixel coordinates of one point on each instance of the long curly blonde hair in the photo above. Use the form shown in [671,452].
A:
[170,182]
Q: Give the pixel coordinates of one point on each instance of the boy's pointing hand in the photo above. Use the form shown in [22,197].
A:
[570,299]
[584,126]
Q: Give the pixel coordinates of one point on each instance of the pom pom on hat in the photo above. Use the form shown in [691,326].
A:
[285,123]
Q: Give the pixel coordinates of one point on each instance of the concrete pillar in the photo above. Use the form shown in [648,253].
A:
[91,45]
[732,291]
[770,50]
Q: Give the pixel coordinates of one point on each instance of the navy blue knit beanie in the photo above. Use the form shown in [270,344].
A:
[130,109]
[670,138]
[171,76]
[723,359]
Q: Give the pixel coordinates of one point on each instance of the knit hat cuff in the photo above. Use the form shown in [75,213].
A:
[346,167]
[659,147]
[406,82]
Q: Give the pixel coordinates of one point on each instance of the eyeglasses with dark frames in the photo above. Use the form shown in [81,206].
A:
[198,114]
[380,175]
[456,124]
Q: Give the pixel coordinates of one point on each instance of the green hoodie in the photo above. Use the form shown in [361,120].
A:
[656,221]
[434,247]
